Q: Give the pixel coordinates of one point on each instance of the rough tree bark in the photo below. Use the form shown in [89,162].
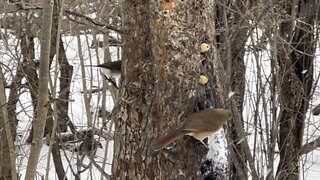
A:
[62,104]
[7,150]
[160,85]
[296,48]
[13,98]
[42,105]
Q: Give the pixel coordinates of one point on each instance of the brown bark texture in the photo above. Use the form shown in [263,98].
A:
[39,121]
[7,150]
[162,65]
[64,91]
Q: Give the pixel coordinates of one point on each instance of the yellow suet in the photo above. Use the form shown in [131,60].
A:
[204,47]
[203,79]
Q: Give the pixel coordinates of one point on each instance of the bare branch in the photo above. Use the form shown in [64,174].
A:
[92,21]
[14,7]
[107,176]
[310,146]
[6,7]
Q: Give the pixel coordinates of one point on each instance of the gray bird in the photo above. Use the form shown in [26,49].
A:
[110,69]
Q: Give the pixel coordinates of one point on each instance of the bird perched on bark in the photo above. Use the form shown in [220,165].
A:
[110,69]
[199,125]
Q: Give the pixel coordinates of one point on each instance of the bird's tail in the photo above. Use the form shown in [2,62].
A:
[164,141]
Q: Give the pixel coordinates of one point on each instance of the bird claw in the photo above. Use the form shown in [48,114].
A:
[110,80]
[205,145]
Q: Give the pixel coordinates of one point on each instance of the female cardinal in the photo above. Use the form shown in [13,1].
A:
[199,125]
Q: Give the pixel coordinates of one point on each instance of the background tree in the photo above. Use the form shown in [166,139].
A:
[7,150]
[295,56]
[232,26]
[43,101]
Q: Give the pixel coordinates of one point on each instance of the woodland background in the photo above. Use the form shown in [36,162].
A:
[263,64]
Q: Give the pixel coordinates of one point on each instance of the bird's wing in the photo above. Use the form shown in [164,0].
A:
[202,120]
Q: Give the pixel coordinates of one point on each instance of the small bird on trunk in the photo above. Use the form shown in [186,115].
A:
[110,69]
[199,125]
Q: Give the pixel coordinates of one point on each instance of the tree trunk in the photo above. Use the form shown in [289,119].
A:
[13,99]
[232,36]
[39,121]
[295,57]
[62,104]
[162,63]
[7,149]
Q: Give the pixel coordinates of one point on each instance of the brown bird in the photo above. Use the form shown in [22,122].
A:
[110,69]
[199,125]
